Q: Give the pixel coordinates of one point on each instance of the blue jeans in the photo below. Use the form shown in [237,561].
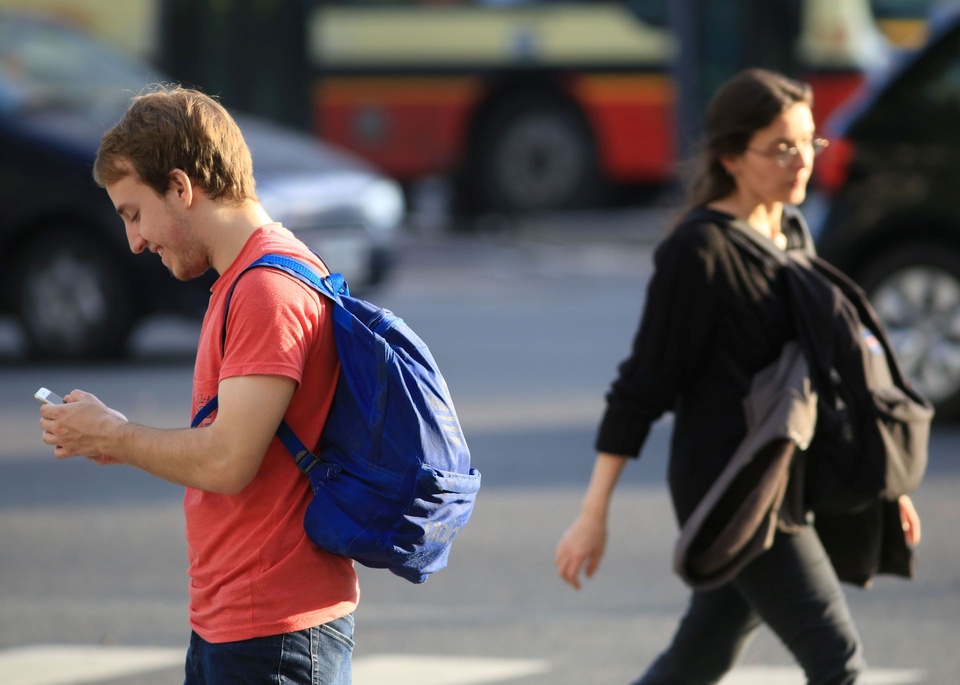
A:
[315,656]
[791,587]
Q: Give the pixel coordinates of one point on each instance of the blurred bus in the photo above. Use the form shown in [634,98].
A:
[904,22]
[523,104]
[536,104]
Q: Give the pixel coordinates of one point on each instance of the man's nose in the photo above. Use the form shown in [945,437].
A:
[136,241]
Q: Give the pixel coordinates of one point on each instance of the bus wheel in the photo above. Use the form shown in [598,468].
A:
[536,154]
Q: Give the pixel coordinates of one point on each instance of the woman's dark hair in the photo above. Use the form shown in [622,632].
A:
[746,103]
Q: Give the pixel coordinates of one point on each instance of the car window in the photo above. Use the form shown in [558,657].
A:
[925,100]
[44,66]
[942,90]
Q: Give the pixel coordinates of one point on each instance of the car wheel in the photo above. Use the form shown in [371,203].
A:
[536,154]
[916,294]
[72,297]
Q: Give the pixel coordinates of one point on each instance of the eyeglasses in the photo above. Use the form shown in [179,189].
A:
[784,154]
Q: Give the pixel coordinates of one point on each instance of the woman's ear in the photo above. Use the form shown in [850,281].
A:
[730,164]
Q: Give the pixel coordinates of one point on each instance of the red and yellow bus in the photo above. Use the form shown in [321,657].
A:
[533,105]
[525,104]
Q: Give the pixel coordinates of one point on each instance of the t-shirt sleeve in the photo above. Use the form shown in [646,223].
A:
[271,325]
[671,341]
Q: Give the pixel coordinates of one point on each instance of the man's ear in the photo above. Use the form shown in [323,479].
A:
[181,187]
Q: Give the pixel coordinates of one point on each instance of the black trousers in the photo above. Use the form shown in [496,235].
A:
[794,590]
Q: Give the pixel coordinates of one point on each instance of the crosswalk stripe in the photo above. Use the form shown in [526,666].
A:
[771,675]
[72,664]
[77,664]
[401,669]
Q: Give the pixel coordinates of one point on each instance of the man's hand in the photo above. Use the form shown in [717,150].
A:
[78,427]
[222,457]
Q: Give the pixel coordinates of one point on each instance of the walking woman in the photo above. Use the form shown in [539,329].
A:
[713,319]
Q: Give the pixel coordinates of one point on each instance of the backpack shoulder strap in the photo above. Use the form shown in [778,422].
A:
[739,233]
[756,243]
[332,287]
[869,319]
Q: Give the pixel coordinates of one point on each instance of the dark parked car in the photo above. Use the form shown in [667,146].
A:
[66,271]
[892,217]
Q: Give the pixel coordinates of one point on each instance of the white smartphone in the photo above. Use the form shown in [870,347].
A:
[48,396]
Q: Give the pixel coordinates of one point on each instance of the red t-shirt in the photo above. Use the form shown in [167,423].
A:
[253,571]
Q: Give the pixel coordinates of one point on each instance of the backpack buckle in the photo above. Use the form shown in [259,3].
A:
[307,461]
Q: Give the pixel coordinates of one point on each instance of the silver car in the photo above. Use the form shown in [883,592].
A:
[66,272]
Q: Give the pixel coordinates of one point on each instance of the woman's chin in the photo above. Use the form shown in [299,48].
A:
[798,195]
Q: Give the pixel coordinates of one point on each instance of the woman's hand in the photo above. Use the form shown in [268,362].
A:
[581,547]
[910,520]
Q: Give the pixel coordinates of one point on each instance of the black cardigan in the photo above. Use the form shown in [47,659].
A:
[714,316]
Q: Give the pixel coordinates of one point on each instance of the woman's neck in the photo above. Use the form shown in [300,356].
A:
[762,217]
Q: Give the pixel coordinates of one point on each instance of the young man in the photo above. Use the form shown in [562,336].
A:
[180,175]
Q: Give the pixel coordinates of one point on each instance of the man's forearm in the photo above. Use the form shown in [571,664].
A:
[192,457]
[223,456]
[216,458]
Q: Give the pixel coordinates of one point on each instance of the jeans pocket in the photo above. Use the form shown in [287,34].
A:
[340,629]
[331,646]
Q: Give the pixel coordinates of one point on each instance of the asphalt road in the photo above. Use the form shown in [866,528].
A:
[528,326]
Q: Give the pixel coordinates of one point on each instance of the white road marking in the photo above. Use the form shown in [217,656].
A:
[400,669]
[72,664]
[785,675]
[78,664]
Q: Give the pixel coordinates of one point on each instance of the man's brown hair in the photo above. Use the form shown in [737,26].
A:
[178,128]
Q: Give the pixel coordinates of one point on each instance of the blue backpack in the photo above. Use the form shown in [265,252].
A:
[392,482]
